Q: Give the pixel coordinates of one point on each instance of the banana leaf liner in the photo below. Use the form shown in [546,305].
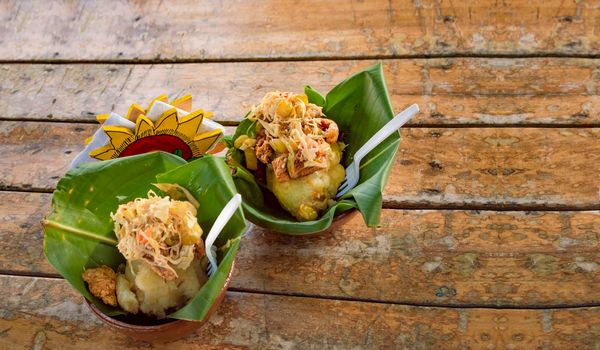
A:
[78,232]
[360,105]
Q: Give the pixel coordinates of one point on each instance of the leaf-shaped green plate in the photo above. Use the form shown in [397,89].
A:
[360,105]
[85,197]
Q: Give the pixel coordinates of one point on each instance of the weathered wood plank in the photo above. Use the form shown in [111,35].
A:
[436,258]
[41,313]
[482,168]
[153,30]
[449,91]
[21,233]
[509,167]
[416,256]
[53,146]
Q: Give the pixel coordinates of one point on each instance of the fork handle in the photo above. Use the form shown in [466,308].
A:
[223,218]
[391,127]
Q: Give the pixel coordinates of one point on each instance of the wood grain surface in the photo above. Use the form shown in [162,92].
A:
[490,234]
[417,256]
[188,30]
[467,91]
[506,168]
[503,167]
[32,315]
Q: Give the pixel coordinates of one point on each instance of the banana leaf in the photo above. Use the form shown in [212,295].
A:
[360,105]
[78,232]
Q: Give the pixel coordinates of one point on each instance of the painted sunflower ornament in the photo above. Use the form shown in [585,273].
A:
[166,126]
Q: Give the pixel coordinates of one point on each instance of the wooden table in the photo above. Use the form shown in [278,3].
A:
[490,235]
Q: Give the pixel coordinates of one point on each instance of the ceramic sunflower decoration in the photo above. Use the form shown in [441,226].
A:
[171,127]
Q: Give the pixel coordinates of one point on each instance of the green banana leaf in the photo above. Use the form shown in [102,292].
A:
[78,232]
[360,105]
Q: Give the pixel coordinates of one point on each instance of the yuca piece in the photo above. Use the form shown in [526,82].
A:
[161,240]
[140,289]
[307,196]
[299,148]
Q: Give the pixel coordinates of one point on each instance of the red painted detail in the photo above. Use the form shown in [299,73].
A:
[165,143]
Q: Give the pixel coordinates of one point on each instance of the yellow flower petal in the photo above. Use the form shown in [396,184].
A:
[184,103]
[143,127]
[134,112]
[190,124]
[167,123]
[104,153]
[119,136]
[203,142]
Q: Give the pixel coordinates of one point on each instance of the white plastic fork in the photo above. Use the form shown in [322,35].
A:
[353,170]
[215,230]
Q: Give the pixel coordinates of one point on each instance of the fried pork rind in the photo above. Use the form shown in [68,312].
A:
[102,283]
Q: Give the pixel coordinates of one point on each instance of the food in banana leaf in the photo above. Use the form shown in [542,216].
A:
[295,153]
[160,239]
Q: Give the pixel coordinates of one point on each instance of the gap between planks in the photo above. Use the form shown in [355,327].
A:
[347,299]
[390,204]
[417,126]
[298,59]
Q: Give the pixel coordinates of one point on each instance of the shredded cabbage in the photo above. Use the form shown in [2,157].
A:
[159,231]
